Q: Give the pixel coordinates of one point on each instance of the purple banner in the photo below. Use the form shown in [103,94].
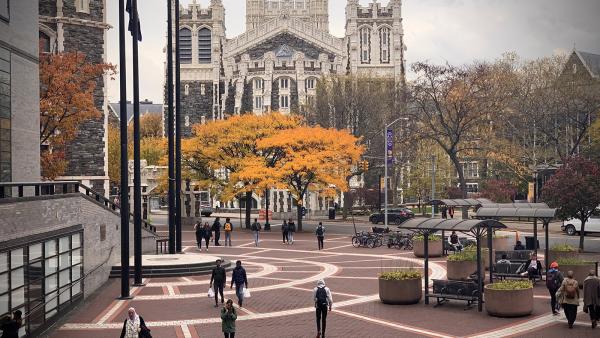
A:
[389,139]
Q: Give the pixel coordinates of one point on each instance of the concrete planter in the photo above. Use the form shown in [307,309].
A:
[400,292]
[485,258]
[499,243]
[508,303]
[554,255]
[460,270]
[580,271]
[435,248]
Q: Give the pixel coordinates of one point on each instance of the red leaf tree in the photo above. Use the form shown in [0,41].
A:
[575,191]
[500,191]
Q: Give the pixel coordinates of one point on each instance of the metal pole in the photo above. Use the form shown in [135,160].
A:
[489,241]
[170,125]
[137,186]
[547,243]
[379,193]
[124,166]
[426,267]
[479,278]
[385,179]
[432,185]
[177,132]
[267,225]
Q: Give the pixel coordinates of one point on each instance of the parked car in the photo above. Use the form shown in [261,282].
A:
[573,226]
[206,211]
[395,216]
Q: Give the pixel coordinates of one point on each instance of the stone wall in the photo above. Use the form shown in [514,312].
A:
[311,51]
[38,215]
[47,7]
[194,105]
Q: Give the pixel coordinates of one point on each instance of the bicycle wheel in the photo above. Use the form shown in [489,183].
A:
[408,245]
[378,242]
[355,242]
[371,243]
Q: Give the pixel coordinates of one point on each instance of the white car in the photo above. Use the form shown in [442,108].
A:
[573,225]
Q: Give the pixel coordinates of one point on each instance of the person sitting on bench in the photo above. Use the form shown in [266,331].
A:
[519,246]
[504,260]
[534,267]
[454,243]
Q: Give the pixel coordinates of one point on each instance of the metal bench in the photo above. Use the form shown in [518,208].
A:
[514,256]
[513,270]
[445,290]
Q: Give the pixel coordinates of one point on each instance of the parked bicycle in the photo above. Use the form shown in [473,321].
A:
[367,240]
[400,241]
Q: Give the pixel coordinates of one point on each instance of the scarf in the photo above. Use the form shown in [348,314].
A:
[133,325]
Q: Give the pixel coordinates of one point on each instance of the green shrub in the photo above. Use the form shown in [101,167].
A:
[563,248]
[572,261]
[432,238]
[511,285]
[400,275]
[473,247]
[464,256]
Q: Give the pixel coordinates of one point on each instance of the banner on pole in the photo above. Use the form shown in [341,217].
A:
[389,136]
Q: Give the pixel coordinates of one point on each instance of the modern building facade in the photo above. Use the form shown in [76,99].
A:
[80,26]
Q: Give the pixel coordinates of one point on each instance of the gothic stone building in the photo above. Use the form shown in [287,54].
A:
[80,25]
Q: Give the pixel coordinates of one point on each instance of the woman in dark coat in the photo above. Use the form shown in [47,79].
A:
[199,229]
[206,234]
[10,326]
[134,326]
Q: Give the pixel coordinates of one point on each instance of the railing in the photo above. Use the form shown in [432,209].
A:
[51,188]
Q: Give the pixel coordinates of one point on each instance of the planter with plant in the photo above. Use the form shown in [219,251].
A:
[400,287]
[485,257]
[560,251]
[435,247]
[499,242]
[580,268]
[509,298]
[461,265]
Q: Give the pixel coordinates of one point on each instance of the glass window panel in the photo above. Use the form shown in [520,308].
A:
[16,258]
[65,295]
[63,244]
[76,241]
[50,265]
[76,289]
[65,260]
[64,277]
[3,282]
[76,272]
[50,248]
[50,314]
[50,284]
[76,256]
[17,297]
[35,290]
[35,251]
[34,271]
[17,278]
[3,303]
[51,301]
[3,261]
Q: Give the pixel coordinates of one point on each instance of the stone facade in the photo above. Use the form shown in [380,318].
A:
[81,26]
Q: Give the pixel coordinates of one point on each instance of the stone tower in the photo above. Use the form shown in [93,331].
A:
[313,11]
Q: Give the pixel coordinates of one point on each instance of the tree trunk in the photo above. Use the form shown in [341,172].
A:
[581,236]
[248,208]
[299,214]
[347,204]
[461,181]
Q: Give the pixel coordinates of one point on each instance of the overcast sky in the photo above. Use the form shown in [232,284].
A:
[456,31]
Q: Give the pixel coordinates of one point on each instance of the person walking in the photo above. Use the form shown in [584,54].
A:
[219,278]
[255,230]
[216,228]
[241,281]
[10,325]
[568,295]
[134,326]
[291,230]
[451,212]
[554,279]
[206,234]
[320,232]
[323,303]
[284,231]
[199,230]
[228,317]
[228,227]
[591,297]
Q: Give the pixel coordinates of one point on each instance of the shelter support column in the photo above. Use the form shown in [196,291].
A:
[490,252]
[426,268]
[479,277]
[546,243]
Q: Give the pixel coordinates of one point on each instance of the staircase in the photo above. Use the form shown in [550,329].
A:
[170,270]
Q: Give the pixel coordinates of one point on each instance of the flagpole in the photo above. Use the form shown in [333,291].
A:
[124,206]
[177,131]
[170,125]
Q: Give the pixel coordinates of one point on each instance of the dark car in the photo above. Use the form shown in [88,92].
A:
[395,216]
[206,210]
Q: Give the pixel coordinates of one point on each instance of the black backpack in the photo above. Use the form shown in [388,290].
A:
[320,232]
[552,280]
[321,296]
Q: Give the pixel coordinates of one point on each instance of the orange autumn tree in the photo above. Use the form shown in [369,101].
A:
[312,158]
[67,84]
[225,153]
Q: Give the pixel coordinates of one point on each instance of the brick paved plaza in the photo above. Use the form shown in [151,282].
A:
[281,279]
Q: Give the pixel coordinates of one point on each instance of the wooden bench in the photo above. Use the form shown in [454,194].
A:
[445,290]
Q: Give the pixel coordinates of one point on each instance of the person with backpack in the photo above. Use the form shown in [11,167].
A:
[320,232]
[10,325]
[323,302]
[241,281]
[554,279]
[216,228]
[284,231]
[591,297]
[255,227]
[568,294]
[228,227]
[219,278]
[291,230]
[199,230]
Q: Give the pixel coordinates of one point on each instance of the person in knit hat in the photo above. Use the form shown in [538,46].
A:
[554,279]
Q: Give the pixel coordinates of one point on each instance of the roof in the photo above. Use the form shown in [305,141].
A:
[146,107]
[448,224]
[516,205]
[591,61]
[485,212]
[468,202]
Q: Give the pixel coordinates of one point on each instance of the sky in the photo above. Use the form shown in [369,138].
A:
[454,31]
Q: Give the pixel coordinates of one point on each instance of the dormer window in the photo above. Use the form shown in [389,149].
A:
[82,6]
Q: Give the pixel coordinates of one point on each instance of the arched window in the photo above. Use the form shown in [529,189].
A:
[204,45]
[384,45]
[365,45]
[185,45]
[45,43]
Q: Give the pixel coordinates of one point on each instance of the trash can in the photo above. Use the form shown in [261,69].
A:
[331,213]
[529,244]
[267,226]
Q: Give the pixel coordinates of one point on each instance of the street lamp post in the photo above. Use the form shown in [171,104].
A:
[387,134]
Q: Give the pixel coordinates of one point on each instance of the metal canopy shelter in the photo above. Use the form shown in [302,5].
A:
[428,226]
[467,202]
[529,210]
